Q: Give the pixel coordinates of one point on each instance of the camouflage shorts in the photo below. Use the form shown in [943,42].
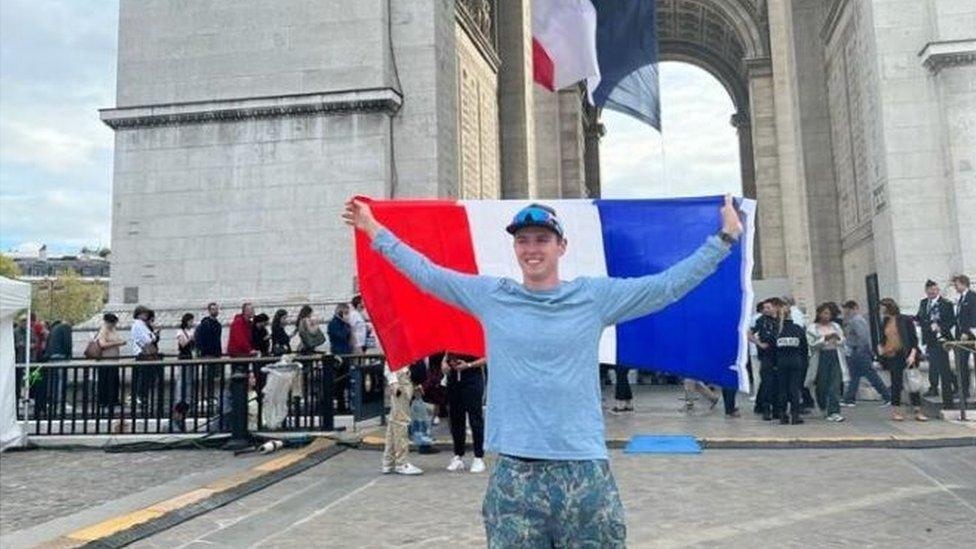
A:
[553,504]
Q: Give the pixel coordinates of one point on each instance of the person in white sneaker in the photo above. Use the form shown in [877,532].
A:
[465,397]
[397,441]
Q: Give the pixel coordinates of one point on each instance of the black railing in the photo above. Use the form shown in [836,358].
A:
[195,395]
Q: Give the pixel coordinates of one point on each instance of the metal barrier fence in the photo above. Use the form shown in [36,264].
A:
[195,395]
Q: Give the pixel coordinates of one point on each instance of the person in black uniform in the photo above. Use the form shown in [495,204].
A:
[936,315]
[764,336]
[965,327]
[791,356]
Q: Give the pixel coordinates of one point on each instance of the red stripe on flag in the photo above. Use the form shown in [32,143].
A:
[543,69]
[410,323]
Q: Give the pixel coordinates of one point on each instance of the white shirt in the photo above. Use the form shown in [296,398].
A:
[139,336]
[796,315]
[358,324]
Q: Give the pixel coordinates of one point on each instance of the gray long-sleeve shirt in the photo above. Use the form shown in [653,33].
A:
[542,346]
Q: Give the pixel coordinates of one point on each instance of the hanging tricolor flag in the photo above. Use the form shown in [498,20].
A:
[702,336]
[612,44]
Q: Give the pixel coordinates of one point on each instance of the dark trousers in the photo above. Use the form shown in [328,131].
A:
[146,378]
[829,382]
[962,364]
[938,357]
[622,390]
[767,398]
[806,397]
[464,400]
[940,375]
[897,365]
[860,366]
[728,400]
[790,382]
[340,387]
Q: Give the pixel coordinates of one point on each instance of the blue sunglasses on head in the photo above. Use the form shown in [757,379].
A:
[536,215]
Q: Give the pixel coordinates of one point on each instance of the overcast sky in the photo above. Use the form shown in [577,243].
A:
[57,68]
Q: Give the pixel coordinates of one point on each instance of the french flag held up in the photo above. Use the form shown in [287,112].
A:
[702,336]
[612,44]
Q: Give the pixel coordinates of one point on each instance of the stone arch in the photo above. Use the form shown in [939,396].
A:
[725,38]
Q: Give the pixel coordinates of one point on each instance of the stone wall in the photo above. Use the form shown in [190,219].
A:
[242,127]
[477,90]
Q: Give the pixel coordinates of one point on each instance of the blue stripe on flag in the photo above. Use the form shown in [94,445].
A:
[698,336]
[626,44]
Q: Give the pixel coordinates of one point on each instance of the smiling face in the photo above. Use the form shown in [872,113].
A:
[538,251]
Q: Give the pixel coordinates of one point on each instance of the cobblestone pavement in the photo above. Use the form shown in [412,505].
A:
[37,486]
[721,498]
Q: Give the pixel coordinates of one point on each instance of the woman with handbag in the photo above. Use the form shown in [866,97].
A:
[828,366]
[899,353]
[109,342]
[280,340]
[309,332]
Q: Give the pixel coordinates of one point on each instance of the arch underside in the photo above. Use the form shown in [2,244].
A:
[715,35]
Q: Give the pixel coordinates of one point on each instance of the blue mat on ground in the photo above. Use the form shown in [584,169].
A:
[663,444]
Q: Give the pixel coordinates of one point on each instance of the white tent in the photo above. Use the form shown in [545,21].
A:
[14,296]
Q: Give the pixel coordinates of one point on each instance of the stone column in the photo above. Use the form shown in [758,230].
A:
[789,142]
[515,99]
[769,217]
[548,176]
[571,146]
[593,130]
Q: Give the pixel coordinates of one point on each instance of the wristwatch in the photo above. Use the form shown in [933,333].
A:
[727,238]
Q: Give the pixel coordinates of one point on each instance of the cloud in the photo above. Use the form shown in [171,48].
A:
[697,153]
[57,64]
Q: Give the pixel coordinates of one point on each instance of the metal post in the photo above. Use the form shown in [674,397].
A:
[326,406]
[239,438]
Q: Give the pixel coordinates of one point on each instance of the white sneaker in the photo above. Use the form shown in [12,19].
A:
[478,465]
[457,464]
[387,469]
[835,418]
[847,404]
[408,469]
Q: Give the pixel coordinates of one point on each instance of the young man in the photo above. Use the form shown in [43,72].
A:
[936,316]
[552,485]
[965,327]
[858,335]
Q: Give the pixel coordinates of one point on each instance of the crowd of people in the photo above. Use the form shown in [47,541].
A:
[831,354]
[250,334]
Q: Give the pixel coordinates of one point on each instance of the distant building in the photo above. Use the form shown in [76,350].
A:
[35,265]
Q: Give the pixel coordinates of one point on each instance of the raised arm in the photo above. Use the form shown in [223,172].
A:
[622,299]
[460,289]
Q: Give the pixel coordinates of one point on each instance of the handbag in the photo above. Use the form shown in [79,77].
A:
[312,338]
[149,350]
[914,380]
[93,350]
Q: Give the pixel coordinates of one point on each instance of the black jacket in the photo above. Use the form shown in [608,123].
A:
[791,346]
[261,340]
[280,340]
[207,337]
[966,316]
[906,331]
[947,319]
[765,329]
[58,343]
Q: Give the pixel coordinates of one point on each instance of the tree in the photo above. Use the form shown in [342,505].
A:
[8,267]
[67,298]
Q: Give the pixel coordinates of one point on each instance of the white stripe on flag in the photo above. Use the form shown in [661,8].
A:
[566,29]
[584,255]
